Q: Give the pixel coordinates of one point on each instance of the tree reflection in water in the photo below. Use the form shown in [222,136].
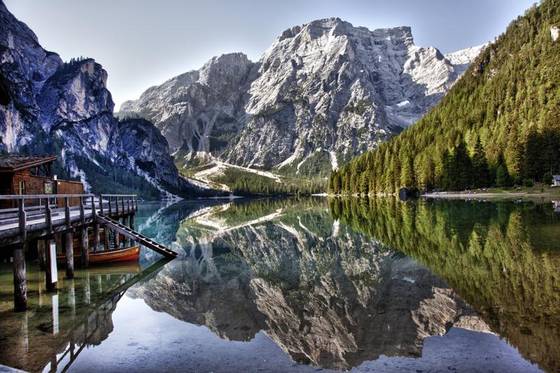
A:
[502,258]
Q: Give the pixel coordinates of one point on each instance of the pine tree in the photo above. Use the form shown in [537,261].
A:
[481,172]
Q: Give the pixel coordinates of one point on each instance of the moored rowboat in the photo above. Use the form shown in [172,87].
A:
[111,256]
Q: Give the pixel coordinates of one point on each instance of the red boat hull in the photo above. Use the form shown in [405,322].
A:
[128,254]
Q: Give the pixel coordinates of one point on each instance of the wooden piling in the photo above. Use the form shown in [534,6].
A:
[41,254]
[105,238]
[20,278]
[51,266]
[131,221]
[96,238]
[84,258]
[117,239]
[69,251]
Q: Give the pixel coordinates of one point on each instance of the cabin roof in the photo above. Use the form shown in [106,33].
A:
[14,163]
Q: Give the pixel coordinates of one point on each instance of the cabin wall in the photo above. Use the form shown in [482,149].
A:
[6,188]
[10,184]
[33,185]
[70,187]
[6,183]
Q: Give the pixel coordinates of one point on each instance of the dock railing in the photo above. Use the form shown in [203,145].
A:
[44,211]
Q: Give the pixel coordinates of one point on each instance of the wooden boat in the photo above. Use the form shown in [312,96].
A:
[111,256]
[121,255]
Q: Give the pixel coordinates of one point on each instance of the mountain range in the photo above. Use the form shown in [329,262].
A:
[321,94]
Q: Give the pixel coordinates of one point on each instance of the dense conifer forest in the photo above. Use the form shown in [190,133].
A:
[498,126]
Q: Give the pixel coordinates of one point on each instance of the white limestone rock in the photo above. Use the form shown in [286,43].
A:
[324,85]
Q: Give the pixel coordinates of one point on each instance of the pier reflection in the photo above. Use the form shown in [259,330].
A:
[58,326]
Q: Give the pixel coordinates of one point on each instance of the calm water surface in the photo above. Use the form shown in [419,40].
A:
[306,285]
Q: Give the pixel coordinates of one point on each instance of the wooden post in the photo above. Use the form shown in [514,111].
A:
[41,254]
[69,251]
[20,277]
[51,272]
[84,259]
[67,212]
[127,221]
[22,219]
[117,239]
[82,211]
[48,217]
[105,238]
[20,280]
[68,241]
[122,205]
[131,221]
[96,237]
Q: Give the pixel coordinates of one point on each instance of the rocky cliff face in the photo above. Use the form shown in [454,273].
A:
[65,108]
[322,93]
[199,112]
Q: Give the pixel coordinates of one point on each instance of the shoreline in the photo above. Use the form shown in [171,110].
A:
[491,195]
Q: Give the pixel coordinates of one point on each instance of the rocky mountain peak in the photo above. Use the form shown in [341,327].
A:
[75,92]
[322,93]
[227,69]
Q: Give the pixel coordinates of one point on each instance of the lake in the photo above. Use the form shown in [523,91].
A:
[304,285]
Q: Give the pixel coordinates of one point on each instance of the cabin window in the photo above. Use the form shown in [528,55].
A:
[48,188]
[21,187]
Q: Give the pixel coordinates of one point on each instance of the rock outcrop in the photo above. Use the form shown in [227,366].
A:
[199,112]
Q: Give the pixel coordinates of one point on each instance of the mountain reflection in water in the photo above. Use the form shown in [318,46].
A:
[336,284]
[335,298]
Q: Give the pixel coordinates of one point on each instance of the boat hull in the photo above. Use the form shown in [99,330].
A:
[122,255]
[112,256]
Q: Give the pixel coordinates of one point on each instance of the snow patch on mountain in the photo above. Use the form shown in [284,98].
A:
[554,33]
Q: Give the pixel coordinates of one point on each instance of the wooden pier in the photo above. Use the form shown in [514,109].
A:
[40,223]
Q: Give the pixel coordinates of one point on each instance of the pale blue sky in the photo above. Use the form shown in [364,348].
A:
[145,42]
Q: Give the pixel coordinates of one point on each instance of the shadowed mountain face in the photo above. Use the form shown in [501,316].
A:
[324,294]
[65,108]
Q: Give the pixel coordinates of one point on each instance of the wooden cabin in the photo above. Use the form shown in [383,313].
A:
[32,175]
